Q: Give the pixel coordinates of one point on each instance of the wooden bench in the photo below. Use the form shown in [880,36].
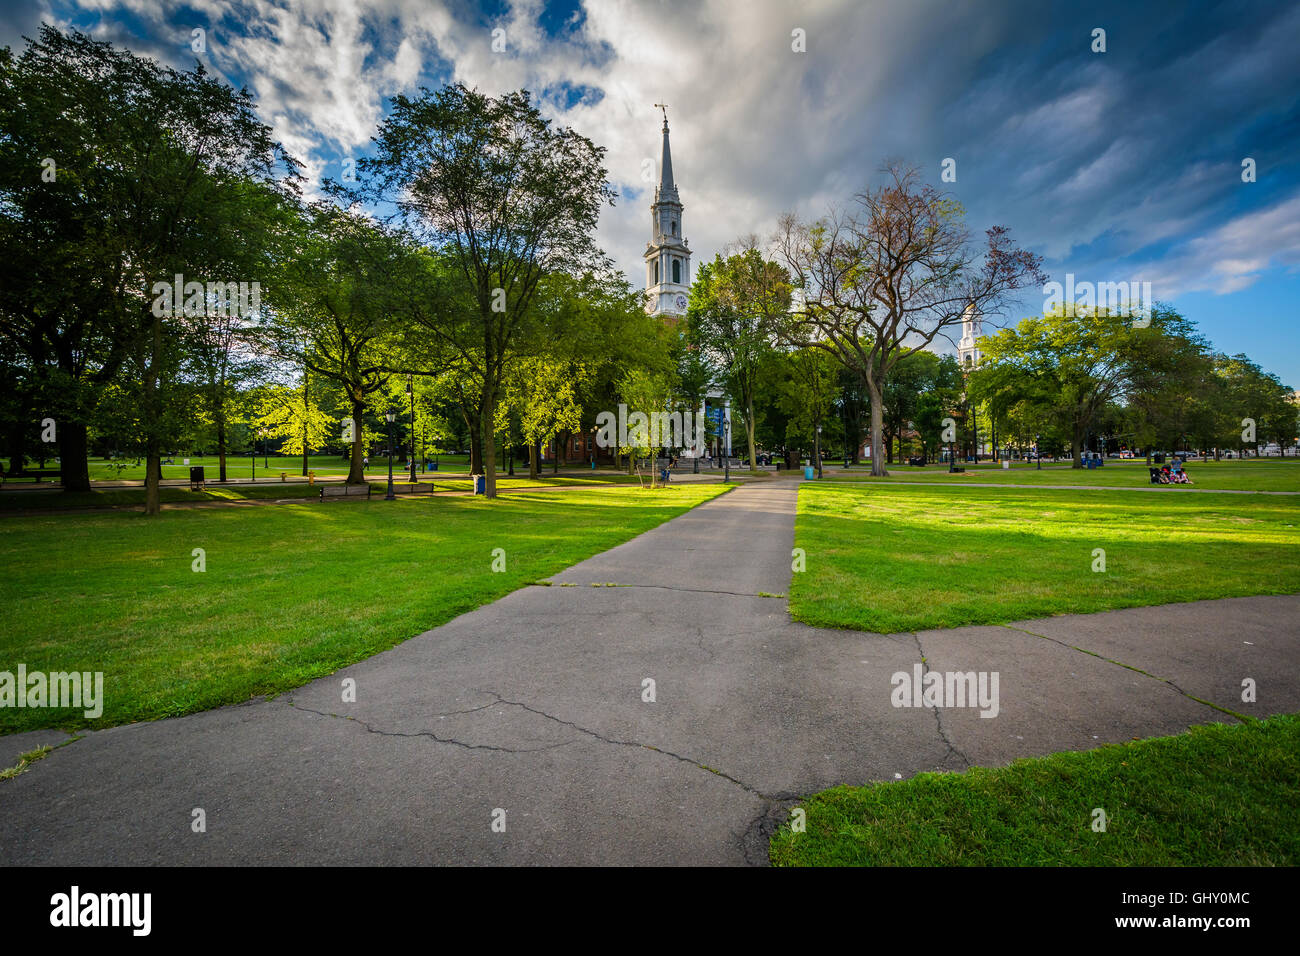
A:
[344,491]
[31,475]
[413,487]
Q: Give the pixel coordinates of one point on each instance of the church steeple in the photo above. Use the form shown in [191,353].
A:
[667,257]
[968,354]
[666,189]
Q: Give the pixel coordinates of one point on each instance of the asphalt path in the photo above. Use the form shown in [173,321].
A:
[527,732]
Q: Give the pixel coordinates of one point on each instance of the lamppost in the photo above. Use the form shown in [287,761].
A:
[253,456]
[390,416]
[1038,451]
[726,451]
[410,390]
[818,451]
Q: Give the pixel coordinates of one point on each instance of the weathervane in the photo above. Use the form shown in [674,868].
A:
[664,107]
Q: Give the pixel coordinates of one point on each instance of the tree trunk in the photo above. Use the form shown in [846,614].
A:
[878,469]
[533,470]
[817,448]
[17,448]
[220,415]
[475,445]
[153,464]
[1076,449]
[357,470]
[487,418]
[306,408]
[75,460]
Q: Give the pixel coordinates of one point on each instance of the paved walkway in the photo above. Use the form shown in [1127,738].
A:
[533,705]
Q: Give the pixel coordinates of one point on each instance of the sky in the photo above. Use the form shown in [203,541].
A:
[1122,164]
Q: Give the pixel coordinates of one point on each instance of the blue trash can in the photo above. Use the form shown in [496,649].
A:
[808,472]
[480,484]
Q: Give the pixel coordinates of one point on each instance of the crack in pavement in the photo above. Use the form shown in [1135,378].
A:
[430,734]
[500,701]
[1137,670]
[752,840]
[938,718]
[636,743]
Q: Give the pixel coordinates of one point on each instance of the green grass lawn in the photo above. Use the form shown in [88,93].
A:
[33,500]
[891,557]
[101,469]
[1254,475]
[1237,808]
[291,592]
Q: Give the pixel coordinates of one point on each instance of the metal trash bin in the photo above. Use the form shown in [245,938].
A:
[196,478]
[808,472]
[480,484]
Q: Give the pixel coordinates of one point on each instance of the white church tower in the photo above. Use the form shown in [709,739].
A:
[667,257]
[968,355]
[668,288]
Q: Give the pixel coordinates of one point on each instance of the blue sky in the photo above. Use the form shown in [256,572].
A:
[1116,165]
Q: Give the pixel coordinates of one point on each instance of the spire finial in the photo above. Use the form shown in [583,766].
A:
[664,107]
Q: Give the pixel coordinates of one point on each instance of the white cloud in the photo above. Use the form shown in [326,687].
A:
[1233,256]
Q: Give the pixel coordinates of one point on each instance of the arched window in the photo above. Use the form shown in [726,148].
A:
[677,270]
[674,228]
[656,272]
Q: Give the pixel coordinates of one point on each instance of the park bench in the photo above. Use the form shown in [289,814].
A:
[344,490]
[31,475]
[413,487]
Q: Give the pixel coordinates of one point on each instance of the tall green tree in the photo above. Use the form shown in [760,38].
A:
[334,306]
[156,164]
[737,304]
[491,184]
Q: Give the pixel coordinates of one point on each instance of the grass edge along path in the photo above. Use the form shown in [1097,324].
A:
[894,558]
[1215,795]
[287,595]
